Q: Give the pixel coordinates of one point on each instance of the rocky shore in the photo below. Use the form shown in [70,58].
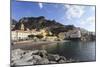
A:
[35,57]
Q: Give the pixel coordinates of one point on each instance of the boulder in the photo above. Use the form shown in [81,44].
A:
[17,54]
[22,62]
[43,53]
[16,57]
[36,57]
[35,52]
[53,57]
[43,61]
[61,61]
[29,57]
[63,58]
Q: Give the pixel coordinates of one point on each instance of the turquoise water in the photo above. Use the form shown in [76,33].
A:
[79,51]
[76,50]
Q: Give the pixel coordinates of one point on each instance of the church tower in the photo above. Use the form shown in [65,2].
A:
[22,27]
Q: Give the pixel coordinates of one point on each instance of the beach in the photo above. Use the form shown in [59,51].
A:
[30,43]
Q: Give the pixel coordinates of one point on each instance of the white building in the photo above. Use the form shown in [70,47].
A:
[70,34]
[74,33]
[18,34]
[22,34]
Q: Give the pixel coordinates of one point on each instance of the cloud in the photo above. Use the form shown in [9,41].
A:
[73,11]
[40,5]
[88,23]
[91,19]
[93,8]
[79,16]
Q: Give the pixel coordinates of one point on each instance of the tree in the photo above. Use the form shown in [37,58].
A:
[70,27]
[39,36]
[31,36]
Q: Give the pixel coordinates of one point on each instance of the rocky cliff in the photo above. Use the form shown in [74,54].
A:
[36,23]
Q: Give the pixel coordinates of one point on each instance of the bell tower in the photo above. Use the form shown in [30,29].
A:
[22,26]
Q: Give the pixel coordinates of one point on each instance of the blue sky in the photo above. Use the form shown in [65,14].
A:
[78,15]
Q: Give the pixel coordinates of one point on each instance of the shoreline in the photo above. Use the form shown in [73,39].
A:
[30,44]
[38,42]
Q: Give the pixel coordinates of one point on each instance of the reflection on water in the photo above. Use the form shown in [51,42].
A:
[81,51]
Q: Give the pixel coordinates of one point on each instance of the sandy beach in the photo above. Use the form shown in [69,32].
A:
[29,44]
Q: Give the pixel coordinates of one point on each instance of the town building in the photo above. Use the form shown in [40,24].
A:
[23,34]
[71,34]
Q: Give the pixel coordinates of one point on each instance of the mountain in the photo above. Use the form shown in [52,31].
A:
[50,25]
[37,23]
[13,22]
[40,23]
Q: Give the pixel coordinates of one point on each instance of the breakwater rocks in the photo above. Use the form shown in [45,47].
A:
[35,57]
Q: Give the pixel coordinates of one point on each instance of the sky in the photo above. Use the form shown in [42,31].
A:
[78,15]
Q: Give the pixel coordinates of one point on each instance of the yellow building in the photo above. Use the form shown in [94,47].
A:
[45,32]
[22,34]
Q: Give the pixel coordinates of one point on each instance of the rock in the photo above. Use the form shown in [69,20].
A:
[29,57]
[34,61]
[63,58]
[52,57]
[16,57]
[61,61]
[43,61]
[43,53]
[70,60]
[36,57]
[22,62]
[17,54]
[52,62]
[35,51]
